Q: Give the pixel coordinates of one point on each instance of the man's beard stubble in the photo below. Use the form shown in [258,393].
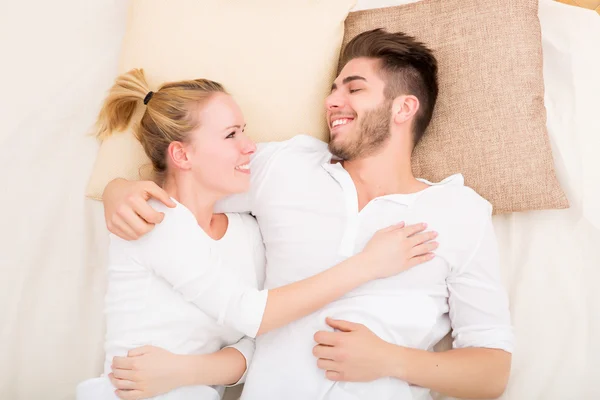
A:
[373,132]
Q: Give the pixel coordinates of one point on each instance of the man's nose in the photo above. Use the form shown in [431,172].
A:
[334,101]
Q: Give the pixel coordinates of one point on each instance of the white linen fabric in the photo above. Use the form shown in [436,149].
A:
[63,58]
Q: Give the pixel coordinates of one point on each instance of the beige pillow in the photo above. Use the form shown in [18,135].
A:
[276,57]
[490,121]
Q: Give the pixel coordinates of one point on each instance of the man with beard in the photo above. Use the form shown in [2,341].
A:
[317,204]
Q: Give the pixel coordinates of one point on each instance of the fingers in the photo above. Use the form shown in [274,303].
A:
[139,351]
[122,384]
[326,352]
[327,364]
[122,363]
[421,238]
[126,374]
[334,375]
[413,229]
[129,220]
[158,193]
[344,326]
[326,338]
[419,260]
[120,228]
[423,249]
[129,394]
[391,228]
[145,211]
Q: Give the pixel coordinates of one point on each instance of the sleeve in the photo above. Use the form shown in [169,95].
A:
[260,164]
[478,302]
[245,346]
[258,251]
[178,251]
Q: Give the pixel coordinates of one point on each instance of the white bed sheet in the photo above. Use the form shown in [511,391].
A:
[64,56]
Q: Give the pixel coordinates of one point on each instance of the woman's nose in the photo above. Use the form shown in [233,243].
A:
[249,147]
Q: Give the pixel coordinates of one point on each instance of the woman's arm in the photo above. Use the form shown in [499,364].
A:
[176,250]
[150,371]
[389,252]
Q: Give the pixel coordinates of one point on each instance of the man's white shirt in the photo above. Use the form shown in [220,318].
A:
[307,210]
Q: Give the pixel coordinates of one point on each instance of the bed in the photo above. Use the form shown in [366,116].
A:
[54,239]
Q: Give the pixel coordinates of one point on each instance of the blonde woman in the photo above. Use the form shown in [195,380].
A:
[192,285]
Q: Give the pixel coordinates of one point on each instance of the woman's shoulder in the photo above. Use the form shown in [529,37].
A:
[248,224]
[178,224]
[179,214]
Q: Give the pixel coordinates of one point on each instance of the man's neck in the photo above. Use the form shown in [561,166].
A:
[382,174]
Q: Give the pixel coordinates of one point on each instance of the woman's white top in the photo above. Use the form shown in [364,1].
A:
[181,290]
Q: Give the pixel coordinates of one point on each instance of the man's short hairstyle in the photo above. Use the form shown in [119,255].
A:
[406,66]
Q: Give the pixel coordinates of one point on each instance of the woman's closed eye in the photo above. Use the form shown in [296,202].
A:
[355,90]
[231,135]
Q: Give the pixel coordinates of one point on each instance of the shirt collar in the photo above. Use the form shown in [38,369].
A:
[337,172]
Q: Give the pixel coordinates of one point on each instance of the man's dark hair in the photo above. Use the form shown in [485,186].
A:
[406,66]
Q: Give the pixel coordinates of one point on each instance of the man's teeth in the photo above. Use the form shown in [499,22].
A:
[342,121]
[244,167]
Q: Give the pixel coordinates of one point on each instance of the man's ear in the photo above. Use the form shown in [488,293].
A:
[178,154]
[404,108]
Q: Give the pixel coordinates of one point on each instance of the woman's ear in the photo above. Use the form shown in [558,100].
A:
[177,152]
[404,108]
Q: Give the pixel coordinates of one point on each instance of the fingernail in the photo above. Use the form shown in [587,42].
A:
[434,234]
[424,225]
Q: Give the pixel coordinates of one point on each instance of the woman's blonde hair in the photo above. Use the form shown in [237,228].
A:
[171,112]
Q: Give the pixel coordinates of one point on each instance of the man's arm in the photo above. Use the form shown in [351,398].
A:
[472,373]
[356,354]
[479,364]
[128,215]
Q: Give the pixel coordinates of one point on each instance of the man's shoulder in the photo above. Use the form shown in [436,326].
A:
[462,199]
[299,143]
[468,201]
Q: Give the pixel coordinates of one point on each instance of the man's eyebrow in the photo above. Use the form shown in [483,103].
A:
[349,79]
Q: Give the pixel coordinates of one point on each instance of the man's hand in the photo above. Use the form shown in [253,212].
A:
[353,354]
[147,372]
[357,354]
[126,210]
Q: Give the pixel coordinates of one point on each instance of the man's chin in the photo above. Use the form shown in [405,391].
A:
[337,150]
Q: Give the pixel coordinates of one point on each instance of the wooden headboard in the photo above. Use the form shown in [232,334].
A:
[591,4]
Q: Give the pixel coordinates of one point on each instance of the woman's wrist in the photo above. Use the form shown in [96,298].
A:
[363,267]
[188,370]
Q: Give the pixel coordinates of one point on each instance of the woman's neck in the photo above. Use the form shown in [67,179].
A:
[187,192]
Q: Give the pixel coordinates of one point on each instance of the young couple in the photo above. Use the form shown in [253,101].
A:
[356,290]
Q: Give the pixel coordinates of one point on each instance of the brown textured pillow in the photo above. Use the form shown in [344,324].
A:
[489,122]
